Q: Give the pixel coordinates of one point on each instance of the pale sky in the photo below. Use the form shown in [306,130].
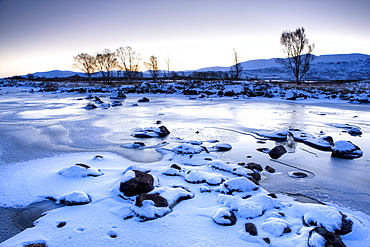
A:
[44,35]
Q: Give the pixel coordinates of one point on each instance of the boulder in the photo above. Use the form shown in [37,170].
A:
[224,217]
[346,150]
[277,152]
[141,183]
[75,198]
[254,166]
[144,99]
[269,169]
[90,106]
[223,147]
[251,229]
[158,200]
[331,239]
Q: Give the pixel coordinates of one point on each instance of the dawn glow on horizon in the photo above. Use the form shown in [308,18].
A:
[44,35]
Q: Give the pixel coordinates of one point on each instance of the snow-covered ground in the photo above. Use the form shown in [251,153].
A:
[43,136]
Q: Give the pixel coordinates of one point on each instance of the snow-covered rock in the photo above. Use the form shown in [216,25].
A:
[151,132]
[80,171]
[346,150]
[224,217]
[74,198]
[240,184]
[276,226]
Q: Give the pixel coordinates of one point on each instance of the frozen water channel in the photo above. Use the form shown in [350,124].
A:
[34,126]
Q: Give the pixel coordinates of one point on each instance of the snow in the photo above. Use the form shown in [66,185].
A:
[316,240]
[275,226]
[111,220]
[78,171]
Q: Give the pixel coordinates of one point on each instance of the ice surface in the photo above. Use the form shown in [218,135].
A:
[36,129]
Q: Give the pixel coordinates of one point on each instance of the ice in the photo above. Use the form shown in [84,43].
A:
[44,134]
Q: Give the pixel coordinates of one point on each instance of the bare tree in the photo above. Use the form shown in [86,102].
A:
[129,61]
[153,67]
[86,63]
[167,61]
[237,69]
[106,63]
[298,52]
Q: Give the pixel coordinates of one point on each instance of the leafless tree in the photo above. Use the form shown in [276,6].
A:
[167,61]
[298,52]
[237,69]
[106,62]
[86,63]
[153,67]
[129,61]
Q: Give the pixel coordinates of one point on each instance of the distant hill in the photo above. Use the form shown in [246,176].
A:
[354,66]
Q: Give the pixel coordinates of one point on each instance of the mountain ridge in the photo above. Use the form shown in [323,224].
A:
[357,64]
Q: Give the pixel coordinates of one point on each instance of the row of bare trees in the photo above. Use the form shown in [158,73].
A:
[123,59]
[297,48]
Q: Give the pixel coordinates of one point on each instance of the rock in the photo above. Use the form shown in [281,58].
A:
[267,240]
[144,99]
[346,150]
[277,152]
[251,229]
[224,217]
[269,169]
[175,166]
[331,239]
[255,175]
[118,95]
[80,171]
[223,146]
[61,224]
[90,106]
[354,131]
[297,174]
[35,245]
[163,131]
[254,166]
[346,226]
[329,139]
[141,183]
[158,200]
[75,198]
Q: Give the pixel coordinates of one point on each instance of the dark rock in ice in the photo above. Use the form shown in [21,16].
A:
[254,166]
[277,152]
[223,146]
[142,183]
[61,224]
[158,200]
[331,239]
[287,230]
[346,226]
[346,150]
[175,166]
[255,175]
[269,169]
[251,229]
[163,131]
[98,100]
[297,174]
[144,99]
[267,240]
[90,106]
[329,139]
[272,195]
[354,132]
[158,122]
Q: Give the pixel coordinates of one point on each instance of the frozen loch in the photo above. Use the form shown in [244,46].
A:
[216,171]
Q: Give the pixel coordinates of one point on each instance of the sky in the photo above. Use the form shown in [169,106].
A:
[44,35]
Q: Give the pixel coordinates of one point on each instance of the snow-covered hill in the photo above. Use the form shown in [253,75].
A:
[354,66]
